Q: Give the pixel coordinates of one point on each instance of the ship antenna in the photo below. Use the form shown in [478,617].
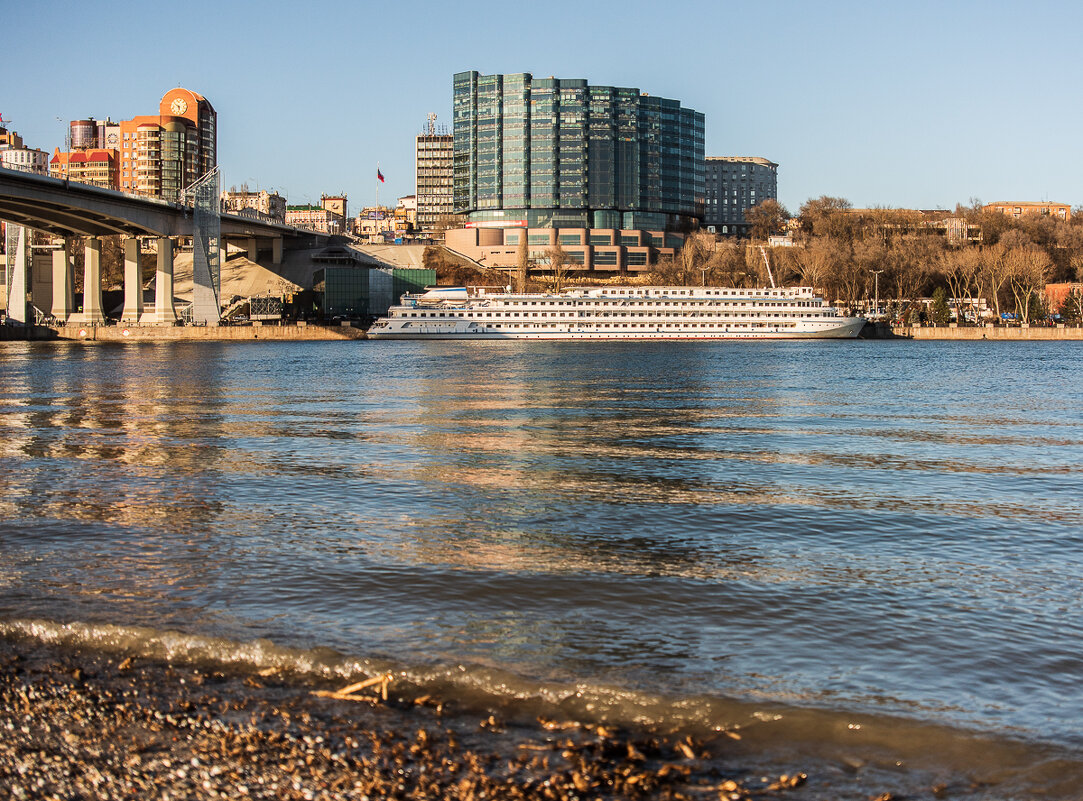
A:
[763,250]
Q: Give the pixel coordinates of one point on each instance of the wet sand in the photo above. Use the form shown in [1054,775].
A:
[78,725]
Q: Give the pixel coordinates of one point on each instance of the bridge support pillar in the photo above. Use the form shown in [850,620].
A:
[133,282]
[163,313]
[18,302]
[276,250]
[63,281]
[92,283]
[253,250]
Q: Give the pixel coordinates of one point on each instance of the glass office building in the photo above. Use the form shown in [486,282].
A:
[558,153]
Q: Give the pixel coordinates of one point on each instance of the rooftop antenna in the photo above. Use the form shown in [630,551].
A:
[432,124]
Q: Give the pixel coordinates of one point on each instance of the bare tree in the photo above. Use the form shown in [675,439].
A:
[818,260]
[1073,305]
[444,222]
[909,263]
[694,257]
[523,262]
[766,218]
[869,257]
[959,268]
[1028,269]
[727,263]
[558,265]
[827,216]
[995,271]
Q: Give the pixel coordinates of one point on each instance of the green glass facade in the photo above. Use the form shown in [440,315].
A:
[560,153]
[359,292]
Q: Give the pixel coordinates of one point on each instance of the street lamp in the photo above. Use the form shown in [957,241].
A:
[876,280]
[67,145]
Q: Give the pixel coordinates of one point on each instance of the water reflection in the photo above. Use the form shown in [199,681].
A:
[790,521]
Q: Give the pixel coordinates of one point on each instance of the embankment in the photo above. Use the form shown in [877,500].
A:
[171,333]
[976,333]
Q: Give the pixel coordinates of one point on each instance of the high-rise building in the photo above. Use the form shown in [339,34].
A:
[558,153]
[158,155]
[433,162]
[734,185]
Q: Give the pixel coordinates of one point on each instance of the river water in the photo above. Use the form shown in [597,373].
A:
[866,552]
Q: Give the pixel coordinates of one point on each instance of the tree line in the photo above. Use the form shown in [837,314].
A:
[966,257]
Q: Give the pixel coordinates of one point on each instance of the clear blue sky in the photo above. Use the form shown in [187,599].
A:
[917,105]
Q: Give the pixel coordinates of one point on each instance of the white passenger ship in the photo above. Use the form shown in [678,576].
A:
[645,312]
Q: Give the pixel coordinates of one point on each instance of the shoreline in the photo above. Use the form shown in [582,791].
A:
[953,333]
[302,332]
[299,332]
[79,723]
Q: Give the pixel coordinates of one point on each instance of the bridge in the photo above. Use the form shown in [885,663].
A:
[66,209]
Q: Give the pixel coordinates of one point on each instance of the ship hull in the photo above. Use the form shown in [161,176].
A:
[848,330]
[618,313]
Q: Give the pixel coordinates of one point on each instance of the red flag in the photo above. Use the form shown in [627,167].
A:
[379,175]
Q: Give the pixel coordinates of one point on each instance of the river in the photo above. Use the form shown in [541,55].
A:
[839,548]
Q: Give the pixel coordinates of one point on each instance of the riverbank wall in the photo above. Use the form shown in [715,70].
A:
[177,333]
[977,333]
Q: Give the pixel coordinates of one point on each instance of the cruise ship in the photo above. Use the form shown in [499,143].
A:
[625,312]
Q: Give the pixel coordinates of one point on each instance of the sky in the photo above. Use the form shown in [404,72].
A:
[904,105]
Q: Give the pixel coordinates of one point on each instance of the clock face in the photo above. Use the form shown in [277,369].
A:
[112,139]
[179,106]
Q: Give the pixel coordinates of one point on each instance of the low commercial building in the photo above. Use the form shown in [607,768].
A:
[315,218]
[590,251]
[1055,294]
[337,205]
[357,292]
[25,159]
[383,224]
[1017,208]
[14,155]
[942,222]
[269,205]
[95,167]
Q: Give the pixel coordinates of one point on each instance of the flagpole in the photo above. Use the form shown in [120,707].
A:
[376,228]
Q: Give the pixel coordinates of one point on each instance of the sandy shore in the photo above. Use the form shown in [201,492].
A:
[86,726]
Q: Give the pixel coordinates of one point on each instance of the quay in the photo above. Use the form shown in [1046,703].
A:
[1015,333]
[295,332]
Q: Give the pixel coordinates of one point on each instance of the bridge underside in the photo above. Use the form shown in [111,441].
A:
[66,209]
[61,220]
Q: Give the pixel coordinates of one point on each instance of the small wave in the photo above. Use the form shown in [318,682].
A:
[771,731]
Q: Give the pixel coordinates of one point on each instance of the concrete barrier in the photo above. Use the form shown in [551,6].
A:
[1003,333]
[208,333]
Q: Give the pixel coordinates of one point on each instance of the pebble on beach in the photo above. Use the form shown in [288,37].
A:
[75,726]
